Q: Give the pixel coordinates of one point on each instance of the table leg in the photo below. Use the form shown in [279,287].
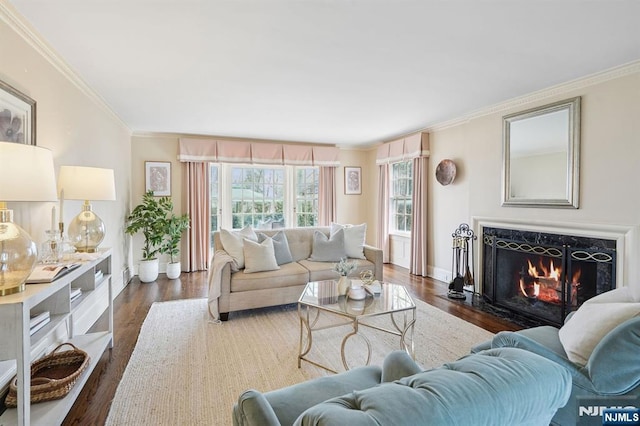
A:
[304,326]
[344,342]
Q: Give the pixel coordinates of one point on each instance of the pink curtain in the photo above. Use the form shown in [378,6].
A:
[326,196]
[383,211]
[198,207]
[419,218]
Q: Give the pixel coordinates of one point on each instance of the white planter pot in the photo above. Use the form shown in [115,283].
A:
[148,270]
[173,270]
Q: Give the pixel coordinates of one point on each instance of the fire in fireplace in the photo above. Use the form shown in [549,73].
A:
[544,276]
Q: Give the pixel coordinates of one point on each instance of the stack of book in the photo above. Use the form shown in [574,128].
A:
[75,293]
[38,321]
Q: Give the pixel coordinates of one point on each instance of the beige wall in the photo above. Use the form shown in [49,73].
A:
[154,148]
[610,160]
[79,130]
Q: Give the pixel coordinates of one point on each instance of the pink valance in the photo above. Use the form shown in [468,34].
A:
[416,145]
[266,153]
[407,148]
[197,150]
[298,155]
[326,156]
[227,151]
[234,152]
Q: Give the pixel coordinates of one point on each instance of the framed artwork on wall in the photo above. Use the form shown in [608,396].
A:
[352,180]
[157,177]
[17,116]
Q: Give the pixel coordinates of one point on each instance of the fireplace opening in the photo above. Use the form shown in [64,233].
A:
[545,276]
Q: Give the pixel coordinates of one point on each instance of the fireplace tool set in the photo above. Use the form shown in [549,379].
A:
[461,267]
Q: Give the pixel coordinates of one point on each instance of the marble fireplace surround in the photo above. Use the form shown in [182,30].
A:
[627,244]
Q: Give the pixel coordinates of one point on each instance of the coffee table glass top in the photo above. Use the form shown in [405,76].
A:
[324,295]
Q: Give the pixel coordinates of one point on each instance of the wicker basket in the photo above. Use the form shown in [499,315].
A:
[52,376]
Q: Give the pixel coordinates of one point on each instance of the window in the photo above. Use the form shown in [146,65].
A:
[401,193]
[306,196]
[263,197]
[257,196]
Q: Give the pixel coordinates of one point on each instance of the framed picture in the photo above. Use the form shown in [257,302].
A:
[17,116]
[157,177]
[352,180]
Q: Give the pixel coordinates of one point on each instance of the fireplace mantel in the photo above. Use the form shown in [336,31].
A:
[627,243]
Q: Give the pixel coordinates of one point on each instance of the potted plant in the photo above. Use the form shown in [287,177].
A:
[149,218]
[174,226]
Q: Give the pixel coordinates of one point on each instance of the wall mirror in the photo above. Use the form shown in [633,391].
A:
[541,149]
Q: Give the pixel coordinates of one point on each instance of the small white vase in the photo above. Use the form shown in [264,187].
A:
[148,270]
[357,293]
[173,270]
[343,285]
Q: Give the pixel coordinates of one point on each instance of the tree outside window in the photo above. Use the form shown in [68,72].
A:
[257,196]
[401,209]
[306,196]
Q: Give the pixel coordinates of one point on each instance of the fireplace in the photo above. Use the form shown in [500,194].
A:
[544,276]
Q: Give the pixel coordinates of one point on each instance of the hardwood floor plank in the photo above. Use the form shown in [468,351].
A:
[133,303]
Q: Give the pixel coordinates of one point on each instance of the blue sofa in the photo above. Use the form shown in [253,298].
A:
[612,369]
[495,387]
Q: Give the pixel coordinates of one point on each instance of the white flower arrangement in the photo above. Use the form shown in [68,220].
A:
[344,268]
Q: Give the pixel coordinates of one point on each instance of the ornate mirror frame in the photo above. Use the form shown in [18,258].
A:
[541,156]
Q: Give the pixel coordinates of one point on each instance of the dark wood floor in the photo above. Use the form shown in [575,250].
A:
[133,303]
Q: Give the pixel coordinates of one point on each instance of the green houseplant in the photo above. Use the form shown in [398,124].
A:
[149,218]
[174,226]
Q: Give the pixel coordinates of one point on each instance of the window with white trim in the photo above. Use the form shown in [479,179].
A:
[401,191]
[265,197]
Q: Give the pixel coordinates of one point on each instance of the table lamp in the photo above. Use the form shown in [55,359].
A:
[26,174]
[86,230]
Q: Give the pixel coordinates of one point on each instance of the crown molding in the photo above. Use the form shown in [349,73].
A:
[553,91]
[15,21]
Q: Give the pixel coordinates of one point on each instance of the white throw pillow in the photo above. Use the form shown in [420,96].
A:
[591,322]
[259,257]
[354,237]
[232,243]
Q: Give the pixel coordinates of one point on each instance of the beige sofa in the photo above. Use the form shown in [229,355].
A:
[239,290]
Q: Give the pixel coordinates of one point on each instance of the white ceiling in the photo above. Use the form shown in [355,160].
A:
[347,72]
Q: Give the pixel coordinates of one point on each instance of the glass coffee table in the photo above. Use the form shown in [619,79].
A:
[322,297]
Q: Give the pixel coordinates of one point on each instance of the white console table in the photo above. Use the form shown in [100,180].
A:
[18,348]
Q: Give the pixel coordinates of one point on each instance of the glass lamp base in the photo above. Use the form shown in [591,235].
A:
[18,255]
[86,231]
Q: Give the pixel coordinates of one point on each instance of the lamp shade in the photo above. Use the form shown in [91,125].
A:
[87,183]
[26,173]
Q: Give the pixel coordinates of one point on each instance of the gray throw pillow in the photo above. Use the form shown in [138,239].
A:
[280,245]
[328,249]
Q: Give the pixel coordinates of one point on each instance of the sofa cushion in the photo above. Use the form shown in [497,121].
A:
[232,243]
[590,323]
[290,274]
[280,246]
[354,237]
[500,386]
[259,257]
[319,271]
[328,249]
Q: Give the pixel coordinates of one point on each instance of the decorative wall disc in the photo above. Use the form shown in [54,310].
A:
[446,172]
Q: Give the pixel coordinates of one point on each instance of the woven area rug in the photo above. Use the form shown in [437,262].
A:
[187,370]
